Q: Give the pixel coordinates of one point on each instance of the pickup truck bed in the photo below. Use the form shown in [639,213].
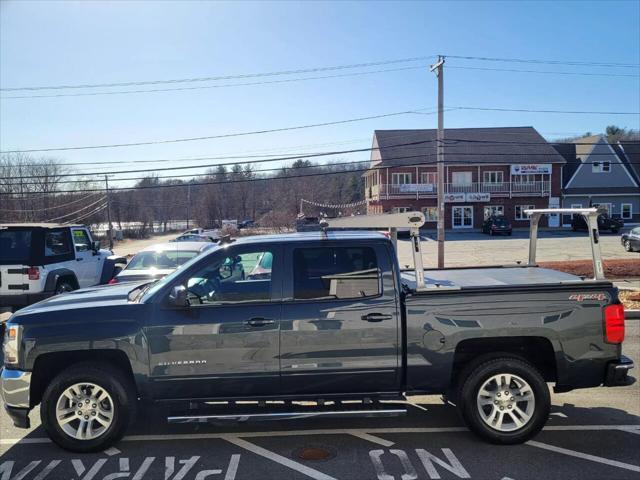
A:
[490,277]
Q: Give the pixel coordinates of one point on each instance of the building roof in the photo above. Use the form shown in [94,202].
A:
[465,145]
[629,153]
[568,152]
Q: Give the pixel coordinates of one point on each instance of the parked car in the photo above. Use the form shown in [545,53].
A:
[192,237]
[246,224]
[631,240]
[156,261]
[38,260]
[262,268]
[605,222]
[335,318]
[497,224]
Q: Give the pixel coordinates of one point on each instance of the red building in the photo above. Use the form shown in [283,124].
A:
[487,170]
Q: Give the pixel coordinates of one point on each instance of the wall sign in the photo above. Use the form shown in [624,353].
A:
[535,168]
[454,197]
[478,197]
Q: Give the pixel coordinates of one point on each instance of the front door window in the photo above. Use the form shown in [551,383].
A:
[462,217]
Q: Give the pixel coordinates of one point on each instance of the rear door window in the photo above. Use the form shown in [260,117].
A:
[15,247]
[57,243]
[335,273]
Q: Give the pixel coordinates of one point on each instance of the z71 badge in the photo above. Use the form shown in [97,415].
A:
[581,297]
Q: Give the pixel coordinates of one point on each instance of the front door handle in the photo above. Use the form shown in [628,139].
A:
[259,322]
[79,259]
[376,317]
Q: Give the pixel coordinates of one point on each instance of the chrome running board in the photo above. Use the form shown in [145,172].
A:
[244,417]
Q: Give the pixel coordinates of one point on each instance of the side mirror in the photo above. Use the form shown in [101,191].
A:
[95,245]
[225,271]
[178,297]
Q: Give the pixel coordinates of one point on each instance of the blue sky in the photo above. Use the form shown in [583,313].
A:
[53,43]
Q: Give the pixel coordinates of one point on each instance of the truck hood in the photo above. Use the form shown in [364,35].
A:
[98,296]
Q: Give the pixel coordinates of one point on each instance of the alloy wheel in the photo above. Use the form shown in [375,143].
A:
[84,411]
[506,402]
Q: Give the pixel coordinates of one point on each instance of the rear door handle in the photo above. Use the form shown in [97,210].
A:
[376,317]
[259,322]
[79,259]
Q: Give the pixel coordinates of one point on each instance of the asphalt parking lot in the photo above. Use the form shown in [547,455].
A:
[591,434]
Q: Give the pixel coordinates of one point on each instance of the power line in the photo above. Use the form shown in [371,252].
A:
[548,72]
[222,77]
[87,215]
[548,62]
[211,137]
[204,87]
[101,199]
[49,208]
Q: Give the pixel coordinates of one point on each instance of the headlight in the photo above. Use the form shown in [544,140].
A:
[11,344]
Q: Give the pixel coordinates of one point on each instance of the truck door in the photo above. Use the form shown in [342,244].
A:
[88,265]
[340,320]
[227,342]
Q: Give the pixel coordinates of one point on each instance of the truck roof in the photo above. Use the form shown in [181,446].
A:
[313,236]
[40,225]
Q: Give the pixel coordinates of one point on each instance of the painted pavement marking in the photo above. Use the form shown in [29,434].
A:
[372,438]
[337,431]
[274,457]
[112,451]
[584,456]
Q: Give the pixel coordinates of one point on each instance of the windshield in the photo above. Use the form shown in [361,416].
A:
[172,276]
[160,260]
[500,221]
[15,246]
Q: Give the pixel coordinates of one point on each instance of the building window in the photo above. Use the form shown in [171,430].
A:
[430,214]
[606,206]
[627,211]
[462,217]
[493,177]
[526,178]
[400,178]
[429,177]
[401,209]
[601,167]
[461,178]
[490,210]
[520,215]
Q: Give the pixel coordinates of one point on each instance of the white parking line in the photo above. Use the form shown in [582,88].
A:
[287,462]
[584,456]
[337,431]
[372,438]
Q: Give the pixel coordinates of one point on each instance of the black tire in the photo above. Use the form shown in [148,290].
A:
[615,230]
[473,379]
[627,246]
[118,386]
[509,234]
[64,286]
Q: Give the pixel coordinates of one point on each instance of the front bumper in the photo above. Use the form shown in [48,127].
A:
[15,386]
[618,373]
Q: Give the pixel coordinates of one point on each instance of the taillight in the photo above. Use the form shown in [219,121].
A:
[34,273]
[494,226]
[614,323]
[113,281]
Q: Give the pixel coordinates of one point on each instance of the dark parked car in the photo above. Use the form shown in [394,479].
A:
[605,222]
[631,240]
[497,224]
[324,315]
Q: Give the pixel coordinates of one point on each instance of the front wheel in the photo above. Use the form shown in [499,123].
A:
[87,407]
[504,401]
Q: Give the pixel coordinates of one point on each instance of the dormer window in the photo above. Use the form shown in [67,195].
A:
[601,167]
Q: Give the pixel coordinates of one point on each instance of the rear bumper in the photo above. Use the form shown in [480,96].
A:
[23,299]
[618,373]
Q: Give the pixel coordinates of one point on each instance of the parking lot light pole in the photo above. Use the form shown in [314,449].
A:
[438,68]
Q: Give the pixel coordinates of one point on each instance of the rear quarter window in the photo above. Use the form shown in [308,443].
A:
[15,247]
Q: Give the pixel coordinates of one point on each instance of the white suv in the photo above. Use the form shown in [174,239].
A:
[40,260]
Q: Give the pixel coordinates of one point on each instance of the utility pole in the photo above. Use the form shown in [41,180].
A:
[188,204]
[110,227]
[438,68]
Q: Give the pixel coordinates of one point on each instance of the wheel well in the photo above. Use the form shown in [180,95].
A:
[69,278]
[48,365]
[536,350]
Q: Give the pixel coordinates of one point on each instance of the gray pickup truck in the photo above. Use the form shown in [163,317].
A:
[326,318]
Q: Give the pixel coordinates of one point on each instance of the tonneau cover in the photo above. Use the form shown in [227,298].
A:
[489,277]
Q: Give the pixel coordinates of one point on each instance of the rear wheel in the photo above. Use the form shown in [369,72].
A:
[504,401]
[87,407]
[627,246]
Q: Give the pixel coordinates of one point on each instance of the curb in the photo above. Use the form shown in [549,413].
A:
[632,314]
